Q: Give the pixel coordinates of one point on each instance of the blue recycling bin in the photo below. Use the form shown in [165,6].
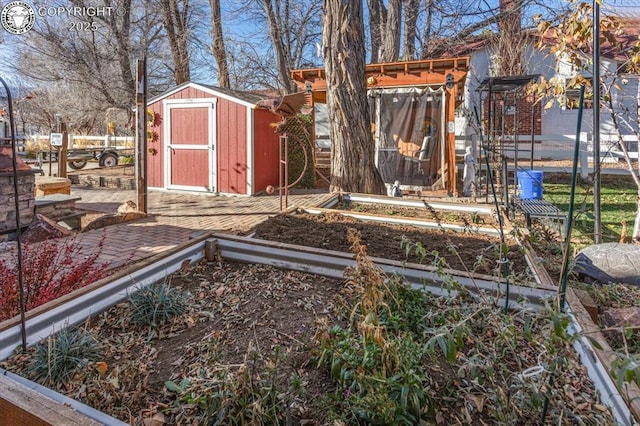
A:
[530,184]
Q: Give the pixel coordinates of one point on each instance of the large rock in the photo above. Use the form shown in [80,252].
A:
[127,207]
[622,317]
[610,263]
[113,219]
[43,228]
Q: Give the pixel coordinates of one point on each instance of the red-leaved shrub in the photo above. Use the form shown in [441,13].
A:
[50,269]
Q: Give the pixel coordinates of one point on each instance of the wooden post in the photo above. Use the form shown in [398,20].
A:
[211,250]
[452,172]
[141,134]
[62,154]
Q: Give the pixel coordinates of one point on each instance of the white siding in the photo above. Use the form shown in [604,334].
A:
[555,121]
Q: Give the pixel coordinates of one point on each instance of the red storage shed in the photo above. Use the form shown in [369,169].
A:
[208,139]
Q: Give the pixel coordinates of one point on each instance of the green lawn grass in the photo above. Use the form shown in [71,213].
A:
[618,203]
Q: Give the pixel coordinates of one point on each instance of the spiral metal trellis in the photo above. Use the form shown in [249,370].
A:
[296,154]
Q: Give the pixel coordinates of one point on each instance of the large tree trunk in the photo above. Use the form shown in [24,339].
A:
[217,45]
[391,36]
[275,34]
[175,21]
[384,26]
[410,25]
[426,40]
[376,24]
[124,58]
[511,40]
[352,159]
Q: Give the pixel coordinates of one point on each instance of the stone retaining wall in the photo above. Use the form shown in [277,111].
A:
[115,182]
[52,185]
[26,184]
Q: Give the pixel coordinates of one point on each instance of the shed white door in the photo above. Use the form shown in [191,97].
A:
[189,130]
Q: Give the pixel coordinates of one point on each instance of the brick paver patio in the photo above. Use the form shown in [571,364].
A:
[173,218]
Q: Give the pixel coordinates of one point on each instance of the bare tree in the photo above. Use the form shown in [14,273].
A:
[410,29]
[426,33]
[385,25]
[352,155]
[176,17]
[92,65]
[445,26]
[391,35]
[82,73]
[217,45]
[510,40]
[275,27]
[376,21]
[284,33]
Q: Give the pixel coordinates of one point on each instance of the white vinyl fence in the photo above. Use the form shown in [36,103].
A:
[556,147]
[89,142]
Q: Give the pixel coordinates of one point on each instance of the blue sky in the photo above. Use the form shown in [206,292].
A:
[629,8]
[623,7]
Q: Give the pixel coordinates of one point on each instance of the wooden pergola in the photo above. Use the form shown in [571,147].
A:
[448,73]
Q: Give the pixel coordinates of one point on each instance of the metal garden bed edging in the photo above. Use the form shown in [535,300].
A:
[405,221]
[287,256]
[593,359]
[333,263]
[76,310]
[598,373]
[59,398]
[395,201]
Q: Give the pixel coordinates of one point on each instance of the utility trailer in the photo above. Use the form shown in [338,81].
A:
[106,150]
[106,157]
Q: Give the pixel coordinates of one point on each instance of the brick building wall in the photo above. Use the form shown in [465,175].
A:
[511,114]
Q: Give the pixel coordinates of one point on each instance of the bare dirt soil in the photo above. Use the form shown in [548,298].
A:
[249,338]
[461,251]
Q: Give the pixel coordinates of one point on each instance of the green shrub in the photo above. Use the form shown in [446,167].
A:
[57,358]
[156,304]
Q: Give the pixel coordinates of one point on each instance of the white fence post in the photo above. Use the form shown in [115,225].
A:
[583,156]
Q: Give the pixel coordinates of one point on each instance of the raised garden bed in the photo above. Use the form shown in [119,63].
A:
[257,346]
[462,250]
[260,344]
